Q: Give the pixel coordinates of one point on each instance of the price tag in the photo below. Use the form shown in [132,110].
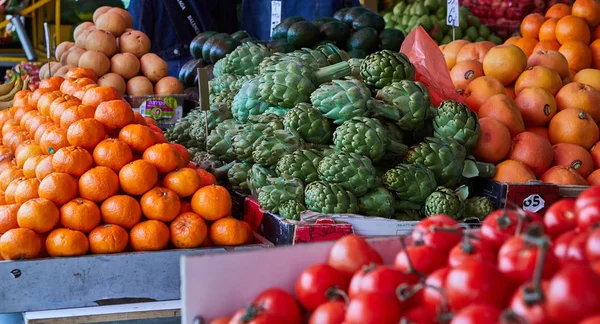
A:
[534,203]
[452,13]
[275,14]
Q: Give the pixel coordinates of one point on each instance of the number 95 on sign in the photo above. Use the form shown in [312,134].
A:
[534,203]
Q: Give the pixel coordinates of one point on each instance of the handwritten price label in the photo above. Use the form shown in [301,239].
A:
[452,13]
[275,14]
[534,203]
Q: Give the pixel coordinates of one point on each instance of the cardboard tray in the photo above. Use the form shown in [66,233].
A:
[215,285]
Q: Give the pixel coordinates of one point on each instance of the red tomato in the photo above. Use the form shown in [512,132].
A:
[589,216]
[315,281]
[251,315]
[434,285]
[532,314]
[473,250]
[332,312]
[373,308]
[596,267]
[425,231]
[592,246]
[378,279]
[419,314]
[571,247]
[476,282]
[501,225]
[560,217]
[594,319]
[517,260]
[281,304]
[477,314]
[424,258]
[589,196]
[573,294]
[350,253]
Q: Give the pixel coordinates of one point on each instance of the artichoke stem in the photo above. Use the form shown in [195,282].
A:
[399,148]
[332,72]
[380,109]
[222,171]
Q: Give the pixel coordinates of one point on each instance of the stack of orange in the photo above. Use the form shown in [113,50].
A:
[81,172]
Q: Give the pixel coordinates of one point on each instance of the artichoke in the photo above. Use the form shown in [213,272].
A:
[219,141]
[244,60]
[271,120]
[274,144]
[366,136]
[342,100]
[377,202]
[180,132]
[386,67]
[327,198]
[444,201]
[352,171]
[278,111]
[454,119]
[408,214]
[279,190]
[289,83]
[199,128]
[238,175]
[205,160]
[446,158]
[355,67]
[332,53]
[219,67]
[242,142]
[225,98]
[258,177]
[291,209]
[247,102]
[411,182]
[309,123]
[301,164]
[478,207]
[311,58]
[226,84]
[412,103]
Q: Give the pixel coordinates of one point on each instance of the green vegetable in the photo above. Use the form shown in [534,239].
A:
[411,182]
[342,100]
[271,120]
[219,140]
[242,142]
[240,35]
[309,123]
[244,60]
[391,39]
[291,209]
[444,201]
[237,176]
[377,202]
[205,121]
[221,48]
[247,102]
[454,119]
[204,160]
[412,103]
[274,144]
[354,13]
[278,191]
[478,207]
[189,71]
[365,39]
[301,164]
[352,171]
[198,43]
[335,31]
[303,34]
[369,19]
[258,177]
[280,31]
[386,67]
[218,68]
[326,197]
[180,132]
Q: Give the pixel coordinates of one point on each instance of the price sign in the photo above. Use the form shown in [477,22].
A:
[275,14]
[534,203]
[452,13]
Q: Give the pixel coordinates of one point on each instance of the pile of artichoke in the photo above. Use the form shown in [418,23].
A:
[308,130]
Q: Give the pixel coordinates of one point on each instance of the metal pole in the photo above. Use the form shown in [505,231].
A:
[24,38]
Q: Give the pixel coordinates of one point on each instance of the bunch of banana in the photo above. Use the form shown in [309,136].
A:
[10,88]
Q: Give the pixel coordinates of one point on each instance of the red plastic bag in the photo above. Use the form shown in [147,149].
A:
[431,67]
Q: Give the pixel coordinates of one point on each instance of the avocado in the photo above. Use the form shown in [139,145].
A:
[253,40]
[426,22]
[223,47]
[369,19]
[280,31]
[484,31]
[198,42]
[432,5]
[357,54]
[303,34]
[188,72]
[340,14]
[420,9]
[322,20]
[473,21]
[495,39]
[208,44]
[365,39]
[240,34]
[353,13]
[391,39]
[335,31]
[282,47]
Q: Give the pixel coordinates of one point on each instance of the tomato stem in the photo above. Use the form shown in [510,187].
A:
[533,294]
[369,267]
[466,246]
[334,293]
[406,291]
[509,316]
[411,267]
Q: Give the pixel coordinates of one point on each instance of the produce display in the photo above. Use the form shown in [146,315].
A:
[14,83]
[119,55]
[81,172]
[314,130]
[431,15]
[520,268]
[536,96]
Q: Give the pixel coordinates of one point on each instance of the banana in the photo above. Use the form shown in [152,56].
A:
[13,91]
[5,105]
[6,87]
[26,83]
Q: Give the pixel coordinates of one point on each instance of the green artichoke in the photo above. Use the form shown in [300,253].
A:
[226,84]
[446,158]
[444,201]
[199,128]
[309,123]
[332,53]
[410,182]
[377,202]
[258,177]
[291,209]
[366,136]
[247,102]
[278,111]
[244,60]
[289,83]
[454,119]
[353,172]
[225,98]
[278,191]
[301,164]
[342,100]
[271,120]
[412,103]
[219,67]
[329,198]
[310,58]
[180,132]
[238,175]
[219,140]
[242,142]
[274,144]
[204,160]
[478,207]
[386,67]
[409,214]
[355,67]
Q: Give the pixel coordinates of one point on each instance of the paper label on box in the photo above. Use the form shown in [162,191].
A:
[161,109]
[275,15]
[534,203]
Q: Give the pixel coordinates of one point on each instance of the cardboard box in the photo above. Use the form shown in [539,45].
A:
[535,196]
[218,285]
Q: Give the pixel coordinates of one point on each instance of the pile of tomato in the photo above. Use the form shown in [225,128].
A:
[519,267]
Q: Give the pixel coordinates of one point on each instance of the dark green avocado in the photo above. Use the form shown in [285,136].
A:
[335,31]
[353,13]
[281,30]
[198,42]
[365,39]
[223,47]
[208,44]
[340,14]
[322,20]
[303,34]
[240,34]
[188,72]
[391,39]
[369,19]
